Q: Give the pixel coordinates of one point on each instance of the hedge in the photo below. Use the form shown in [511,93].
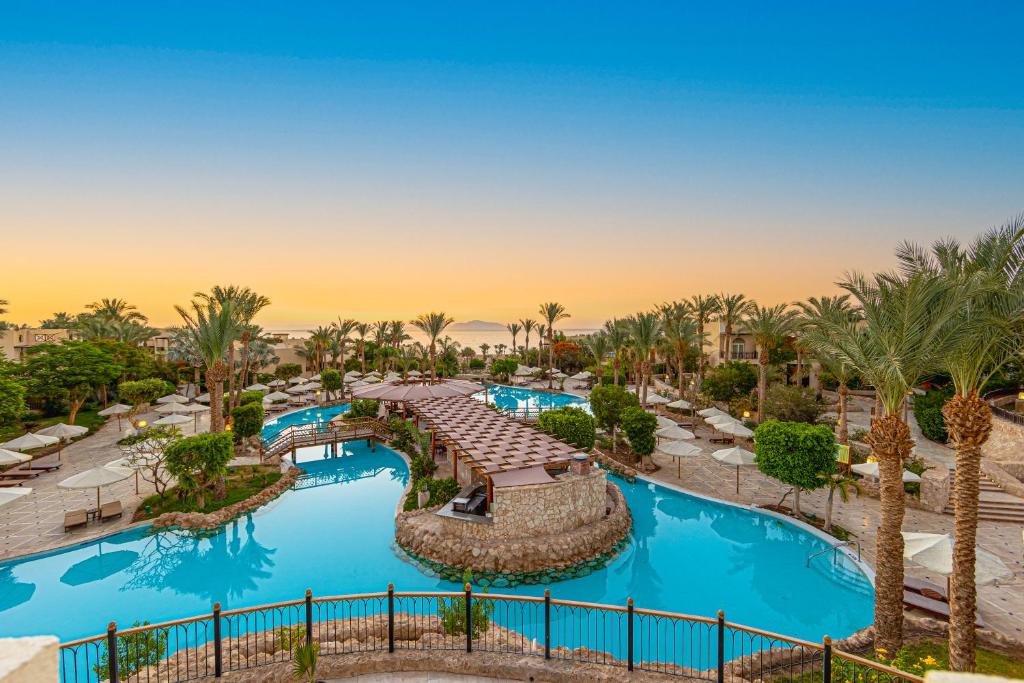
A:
[640,427]
[928,413]
[247,420]
[570,424]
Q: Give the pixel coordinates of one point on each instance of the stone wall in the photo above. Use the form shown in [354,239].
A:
[491,547]
[569,503]
[1006,443]
[935,489]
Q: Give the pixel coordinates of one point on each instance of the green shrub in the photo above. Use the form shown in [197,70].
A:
[453,612]
[477,364]
[928,413]
[135,652]
[796,453]
[608,402]
[287,370]
[640,427]
[363,407]
[246,398]
[571,424]
[330,380]
[199,461]
[247,420]
[730,380]
[142,391]
[790,403]
[404,436]
[503,368]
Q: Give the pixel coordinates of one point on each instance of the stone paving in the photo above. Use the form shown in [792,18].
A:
[36,522]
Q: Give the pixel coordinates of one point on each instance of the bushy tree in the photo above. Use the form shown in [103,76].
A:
[331,381]
[790,403]
[246,398]
[571,424]
[70,371]
[12,400]
[730,380]
[796,453]
[640,427]
[145,451]
[247,420]
[142,391]
[503,368]
[199,462]
[363,407]
[287,370]
[608,402]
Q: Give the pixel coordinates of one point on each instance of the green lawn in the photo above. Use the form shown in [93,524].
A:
[987,661]
[84,418]
[242,482]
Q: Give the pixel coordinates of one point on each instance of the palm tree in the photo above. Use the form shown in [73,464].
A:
[433,324]
[988,332]
[552,312]
[598,346]
[903,334]
[769,326]
[836,307]
[617,332]
[703,310]
[342,332]
[499,350]
[4,303]
[484,348]
[646,330]
[513,329]
[731,309]
[682,336]
[842,483]
[319,341]
[362,329]
[116,309]
[245,304]
[528,326]
[211,329]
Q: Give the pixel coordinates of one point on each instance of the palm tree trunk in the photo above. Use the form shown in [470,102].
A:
[215,385]
[700,358]
[762,383]
[969,421]
[728,343]
[679,369]
[891,443]
[433,364]
[615,369]
[828,508]
[231,370]
[844,427]
[551,359]
[245,368]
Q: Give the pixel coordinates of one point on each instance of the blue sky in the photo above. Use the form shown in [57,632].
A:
[813,133]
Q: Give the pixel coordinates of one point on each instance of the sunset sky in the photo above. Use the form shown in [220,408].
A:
[385,159]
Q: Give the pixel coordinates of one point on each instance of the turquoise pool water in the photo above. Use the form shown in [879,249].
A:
[333,533]
[513,398]
[305,416]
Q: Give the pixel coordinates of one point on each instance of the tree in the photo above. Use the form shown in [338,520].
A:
[730,380]
[504,368]
[703,310]
[71,370]
[362,329]
[363,407]
[608,402]
[528,326]
[571,424]
[433,324]
[552,313]
[985,288]
[343,334]
[598,347]
[795,453]
[791,403]
[287,370]
[145,451]
[12,400]
[617,332]
[514,329]
[331,381]
[142,391]
[645,329]
[769,326]
[732,308]
[843,483]
[640,427]
[247,420]
[58,321]
[903,334]
[213,328]
[837,308]
[484,348]
[243,304]
[682,337]
[198,462]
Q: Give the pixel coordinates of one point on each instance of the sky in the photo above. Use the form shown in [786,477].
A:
[381,160]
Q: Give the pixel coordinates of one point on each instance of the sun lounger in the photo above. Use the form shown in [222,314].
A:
[111,510]
[42,468]
[10,482]
[926,588]
[935,608]
[19,474]
[75,519]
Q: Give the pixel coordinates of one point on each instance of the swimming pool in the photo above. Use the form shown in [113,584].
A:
[518,398]
[306,416]
[333,533]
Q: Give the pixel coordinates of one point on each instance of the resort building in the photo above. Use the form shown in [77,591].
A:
[14,342]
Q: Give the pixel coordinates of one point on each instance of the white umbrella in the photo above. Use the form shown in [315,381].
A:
[96,478]
[170,408]
[370,379]
[717,420]
[523,371]
[737,456]
[27,442]
[117,409]
[203,398]
[373,373]
[298,379]
[12,494]
[297,389]
[195,409]
[11,458]
[656,399]
[681,404]
[870,469]
[934,552]
[276,396]
[277,383]
[581,376]
[355,374]
[134,464]
[679,450]
[357,384]
[675,433]
[63,431]
[315,378]
[664,421]
[411,373]
[392,377]
[735,429]
[311,386]
[176,419]
[711,412]
[172,398]
[257,387]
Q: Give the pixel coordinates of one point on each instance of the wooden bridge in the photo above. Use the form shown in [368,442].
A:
[289,439]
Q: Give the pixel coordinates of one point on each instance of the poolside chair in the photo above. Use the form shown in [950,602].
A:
[925,588]
[10,483]
[936,608]
[19,474]
[111,510]
[52,467]
[75,519]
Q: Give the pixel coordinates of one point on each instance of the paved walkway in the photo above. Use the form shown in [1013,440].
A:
[36,522]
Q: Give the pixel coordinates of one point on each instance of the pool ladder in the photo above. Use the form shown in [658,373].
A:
[834,550]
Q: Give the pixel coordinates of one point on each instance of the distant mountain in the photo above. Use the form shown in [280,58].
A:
[477,326]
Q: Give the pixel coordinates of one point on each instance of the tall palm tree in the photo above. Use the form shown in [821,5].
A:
[343,330]
[528,326]
[903,334]
[552,312]
[319,342]
[731,310]
[598,346]
[703,309]
[836,307]
[433,324]
[617,332]
[116,309]
[484,348]
[646,331]
[499,349]
[211,328]
[245,304]
[769,326]
[513,329]
[682,336]
[989,332]
[4,303]
[362,329]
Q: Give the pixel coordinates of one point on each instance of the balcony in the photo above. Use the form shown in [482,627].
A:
[743,355]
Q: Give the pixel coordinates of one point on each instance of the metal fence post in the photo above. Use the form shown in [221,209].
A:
[391,617]
[469,617]
[629,634]
[218,666]
[547,623]
[826,663]
[309,616]
[112,653]
[721,646]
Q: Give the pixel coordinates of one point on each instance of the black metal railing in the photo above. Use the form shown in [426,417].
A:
[627,637]
[993,397]
[743,355]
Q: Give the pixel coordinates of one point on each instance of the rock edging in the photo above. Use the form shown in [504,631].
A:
[211,520]
[419,534]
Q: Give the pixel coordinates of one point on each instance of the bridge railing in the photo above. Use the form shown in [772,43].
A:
[622,636]
[318,433]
